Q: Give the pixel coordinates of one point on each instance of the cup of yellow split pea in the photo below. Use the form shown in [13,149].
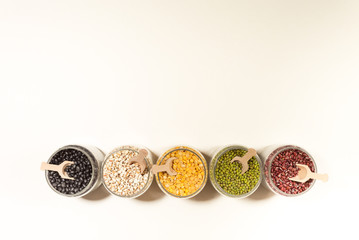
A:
[192,172]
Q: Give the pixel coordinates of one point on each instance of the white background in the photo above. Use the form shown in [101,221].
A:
[160,73]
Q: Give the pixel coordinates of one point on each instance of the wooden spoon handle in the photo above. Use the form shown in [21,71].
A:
[158,168]
[167,167]
[318,176]
[250,153]
[58,168]
[244,160]
[51,167]
[140,159]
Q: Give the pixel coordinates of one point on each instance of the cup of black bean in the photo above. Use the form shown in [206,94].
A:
[84,170]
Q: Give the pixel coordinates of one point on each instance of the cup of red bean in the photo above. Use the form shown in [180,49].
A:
[85,170]
[280,165]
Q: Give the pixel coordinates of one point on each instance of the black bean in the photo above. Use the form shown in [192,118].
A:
[81,171]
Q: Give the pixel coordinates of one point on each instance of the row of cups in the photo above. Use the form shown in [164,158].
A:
[191,166]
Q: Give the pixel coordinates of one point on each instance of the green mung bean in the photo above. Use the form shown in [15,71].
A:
[228,175]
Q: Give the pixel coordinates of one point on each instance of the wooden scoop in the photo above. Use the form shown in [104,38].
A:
[305,174]
[58,168]
[167,167]
[140,159]
[244,160]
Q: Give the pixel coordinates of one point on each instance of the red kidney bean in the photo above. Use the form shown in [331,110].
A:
[284,167]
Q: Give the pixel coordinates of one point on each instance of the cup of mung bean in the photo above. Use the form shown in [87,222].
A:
[280,165]
[123,179]
[84,170]
[191,168]
[226,176]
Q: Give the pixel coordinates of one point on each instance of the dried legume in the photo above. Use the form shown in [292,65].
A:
[228,175]
[81,171]
[190,168]
[284,167]
[120,177]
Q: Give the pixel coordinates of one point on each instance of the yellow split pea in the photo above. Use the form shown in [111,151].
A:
[190,173]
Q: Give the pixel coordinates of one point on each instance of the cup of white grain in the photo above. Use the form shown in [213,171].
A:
[123,179]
